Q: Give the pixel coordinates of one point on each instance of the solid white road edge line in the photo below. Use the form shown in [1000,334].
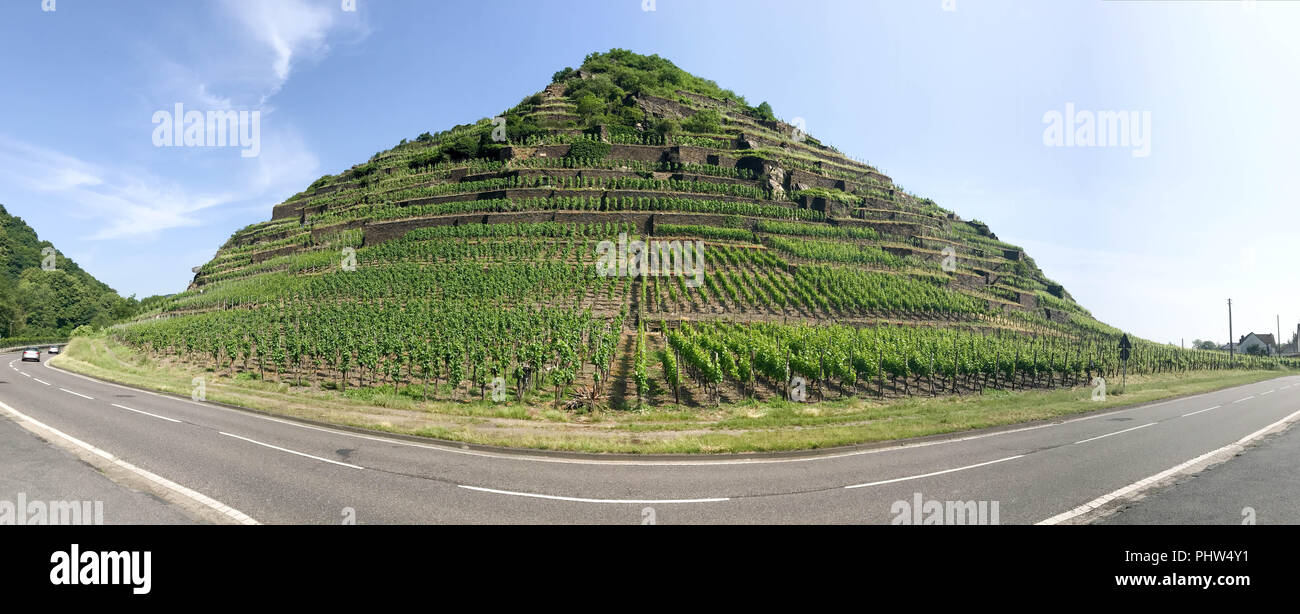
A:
[926,475]
[194,495]
[582,500]
[324,460]
[146,413]
[1115,433]
[1148,482]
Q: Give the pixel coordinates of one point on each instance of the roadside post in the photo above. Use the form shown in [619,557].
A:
[1124,349]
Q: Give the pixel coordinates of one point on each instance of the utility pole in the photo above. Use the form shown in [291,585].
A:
[1232,349]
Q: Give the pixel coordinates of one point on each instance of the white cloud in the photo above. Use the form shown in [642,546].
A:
[127,204]
[289,30]
[124,203]
[255,60]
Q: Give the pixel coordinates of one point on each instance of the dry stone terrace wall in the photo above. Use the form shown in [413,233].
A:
[650,154]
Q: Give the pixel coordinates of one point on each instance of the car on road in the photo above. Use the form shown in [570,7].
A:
[54,349]
[31,355]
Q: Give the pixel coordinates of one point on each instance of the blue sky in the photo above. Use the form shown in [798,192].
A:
[950,103]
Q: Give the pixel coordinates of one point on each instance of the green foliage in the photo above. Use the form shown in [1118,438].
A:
[764,111]
[364,170]
[708,121]
[587,149]
[590,108]
[48,303]
[667,127]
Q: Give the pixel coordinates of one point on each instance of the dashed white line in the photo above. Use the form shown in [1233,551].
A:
[1269,392]
[1199,411]
[146,413]
[926,475]
[1243,400]
[324,460]
[24,374]
[38,380]
[77,393]
[583,500]
[1115,433]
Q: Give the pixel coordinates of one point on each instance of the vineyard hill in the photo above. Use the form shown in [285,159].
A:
[470,254]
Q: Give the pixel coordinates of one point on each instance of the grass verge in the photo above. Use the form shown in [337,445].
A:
[730,428]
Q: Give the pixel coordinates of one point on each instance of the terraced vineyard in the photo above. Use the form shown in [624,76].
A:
[466,265]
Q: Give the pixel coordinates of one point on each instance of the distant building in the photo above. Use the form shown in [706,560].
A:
[1253,340]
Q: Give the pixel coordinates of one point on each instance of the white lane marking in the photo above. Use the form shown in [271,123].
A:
[77,393]
[194,495]
[324,460]
[1199,411]
[1243,400]
[41,381]
[1115,433]
[23,374]
[926,475]
[1147,482]
[146,413]
[582,500]
[1269,392]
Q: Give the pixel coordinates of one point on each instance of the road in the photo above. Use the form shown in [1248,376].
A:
[1261,486]
[252,467]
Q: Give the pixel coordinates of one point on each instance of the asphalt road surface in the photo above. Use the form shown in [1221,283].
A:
[1261,486]
[252,467]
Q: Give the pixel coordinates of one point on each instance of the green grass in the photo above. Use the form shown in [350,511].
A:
[730,428]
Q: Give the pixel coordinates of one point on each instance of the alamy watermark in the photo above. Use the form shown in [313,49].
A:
[24,512]
[654,259]
[1099,389]
[1073,128]
[216,128]
[922,511]
[799,129]
[92,568]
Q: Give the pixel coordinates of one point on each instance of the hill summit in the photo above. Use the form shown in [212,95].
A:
[475,263]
